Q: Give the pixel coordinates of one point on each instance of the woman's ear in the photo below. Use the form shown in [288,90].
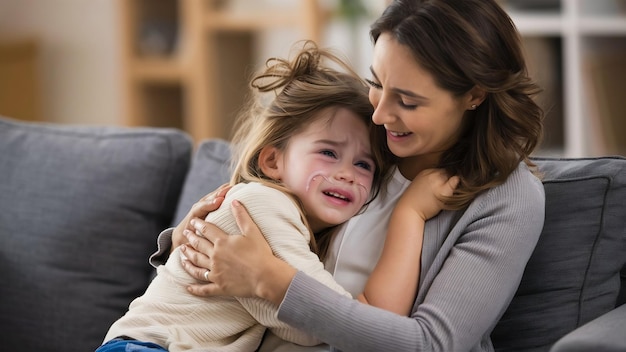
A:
[270,162]
[476,97]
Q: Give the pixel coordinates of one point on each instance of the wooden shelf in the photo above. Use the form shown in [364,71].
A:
[158,70]
[187,63]
[249,22]
[20,83]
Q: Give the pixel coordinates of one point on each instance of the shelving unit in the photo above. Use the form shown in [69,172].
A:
[188,62]
[582,37]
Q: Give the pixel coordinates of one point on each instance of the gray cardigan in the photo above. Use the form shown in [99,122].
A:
[470,272]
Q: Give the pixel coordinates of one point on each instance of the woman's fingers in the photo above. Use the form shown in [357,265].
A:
[247,226]
[200,209]
[198,252]
[243,219]
[221,191]
[206,290]
[208,203]
[207,230]
[189,258]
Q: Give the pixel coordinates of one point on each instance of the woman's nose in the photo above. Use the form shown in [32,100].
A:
[382,112]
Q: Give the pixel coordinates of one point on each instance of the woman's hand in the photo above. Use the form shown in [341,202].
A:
[242,266]
[201,209]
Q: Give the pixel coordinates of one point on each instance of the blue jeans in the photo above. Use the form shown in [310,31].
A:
[124,345]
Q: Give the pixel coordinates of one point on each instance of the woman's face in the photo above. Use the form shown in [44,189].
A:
[422,120]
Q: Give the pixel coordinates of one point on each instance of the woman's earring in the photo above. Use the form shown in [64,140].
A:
[473,107]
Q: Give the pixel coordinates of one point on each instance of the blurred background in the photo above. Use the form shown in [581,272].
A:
[186,63]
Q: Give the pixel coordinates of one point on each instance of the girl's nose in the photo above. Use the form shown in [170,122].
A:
[346,173]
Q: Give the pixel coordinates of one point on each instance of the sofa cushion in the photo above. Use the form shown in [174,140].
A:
[210,168]
[79,213]
[573,275]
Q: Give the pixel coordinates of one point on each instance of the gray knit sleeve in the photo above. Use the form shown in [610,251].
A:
[343,322]
[164,245]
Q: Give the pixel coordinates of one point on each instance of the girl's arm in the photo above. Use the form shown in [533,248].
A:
[393,282]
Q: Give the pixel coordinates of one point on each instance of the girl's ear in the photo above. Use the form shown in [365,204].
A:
[270,162]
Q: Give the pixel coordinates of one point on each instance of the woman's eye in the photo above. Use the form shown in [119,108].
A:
[365,165]
[407,106]
[373,84]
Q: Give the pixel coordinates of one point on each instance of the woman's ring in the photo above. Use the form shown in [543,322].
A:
[206,275]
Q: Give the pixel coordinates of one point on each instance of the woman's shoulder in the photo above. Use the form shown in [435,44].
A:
[522,188]
[517,206]
[523,179]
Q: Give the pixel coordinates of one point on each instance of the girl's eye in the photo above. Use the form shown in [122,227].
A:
[365,165]
[373,84]
[329,153]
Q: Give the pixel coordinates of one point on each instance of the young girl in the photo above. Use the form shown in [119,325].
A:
[307,162]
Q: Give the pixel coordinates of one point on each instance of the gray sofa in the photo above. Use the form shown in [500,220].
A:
[80,209]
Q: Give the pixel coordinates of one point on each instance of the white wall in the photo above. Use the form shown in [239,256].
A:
[79,56]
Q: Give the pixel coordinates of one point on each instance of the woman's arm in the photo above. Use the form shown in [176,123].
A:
[393,282]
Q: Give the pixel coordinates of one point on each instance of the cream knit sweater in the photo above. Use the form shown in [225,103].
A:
[173,318]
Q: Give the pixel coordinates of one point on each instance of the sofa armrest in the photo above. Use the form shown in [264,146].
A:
[603,334]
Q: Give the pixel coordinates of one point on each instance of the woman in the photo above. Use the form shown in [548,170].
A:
[450,85]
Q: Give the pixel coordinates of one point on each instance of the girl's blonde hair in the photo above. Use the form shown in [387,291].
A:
[300,89]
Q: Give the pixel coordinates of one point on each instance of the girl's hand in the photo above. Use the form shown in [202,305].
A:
[232,265]
[424,195]
[201,209]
